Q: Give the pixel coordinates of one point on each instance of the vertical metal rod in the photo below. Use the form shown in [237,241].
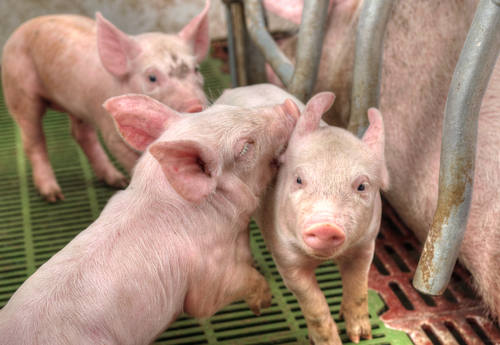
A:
[309,48]
[256,70]
[266,44]
[458,151]
[239,41]
[230,44]
[368,56]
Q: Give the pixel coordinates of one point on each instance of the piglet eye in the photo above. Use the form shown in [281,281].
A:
[152,78]
[197,69]
[299,180]
[361,187]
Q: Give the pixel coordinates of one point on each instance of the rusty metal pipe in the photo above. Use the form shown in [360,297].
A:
[458,151]
[309,47]
[368,56]
[266,44]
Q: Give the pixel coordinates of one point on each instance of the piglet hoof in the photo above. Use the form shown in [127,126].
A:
[50,192]
[260,299]
[357,325]
[115,179]
[324,331]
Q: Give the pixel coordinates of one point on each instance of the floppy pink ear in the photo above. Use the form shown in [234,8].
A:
[115,47]
[374,138]
[309,121]
[190,167]
[196,34]
[140,119]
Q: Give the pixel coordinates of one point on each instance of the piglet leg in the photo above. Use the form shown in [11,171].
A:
[31,128]
[354,307]
[302,282]
[86,136]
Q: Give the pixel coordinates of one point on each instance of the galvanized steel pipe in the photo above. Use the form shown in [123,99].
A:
[309,48]
[368,56]
[239,41]
[458,151]
[266,44]
[230,44]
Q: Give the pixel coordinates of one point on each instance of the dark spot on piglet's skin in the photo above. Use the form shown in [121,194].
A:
[180,71]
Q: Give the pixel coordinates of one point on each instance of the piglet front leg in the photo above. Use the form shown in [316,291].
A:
[301,281]
[354,307]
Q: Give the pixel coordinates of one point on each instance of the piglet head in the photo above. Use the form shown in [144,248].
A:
[329,184]
[223,150]
[162,66]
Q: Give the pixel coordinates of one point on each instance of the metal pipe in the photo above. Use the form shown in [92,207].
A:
[256,71]
[368,56]
[230,44]
[266,44]
[239,41]
[458,151]
[309,48]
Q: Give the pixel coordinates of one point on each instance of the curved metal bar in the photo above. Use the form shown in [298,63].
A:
[309,48]
[370,34]
[266,44]
[458,151]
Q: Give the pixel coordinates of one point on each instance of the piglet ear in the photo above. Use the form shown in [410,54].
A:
[140,119]
[196,34]
[190,167]
[310,119]
[374,138]
[116,49]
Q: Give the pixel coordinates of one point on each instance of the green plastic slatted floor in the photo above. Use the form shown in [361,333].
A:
[31,231]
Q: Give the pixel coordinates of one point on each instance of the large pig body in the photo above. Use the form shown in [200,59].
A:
[324,205]
[422,45]
[73,64]
[174,241]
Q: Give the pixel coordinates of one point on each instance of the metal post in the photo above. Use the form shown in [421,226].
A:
[256,70]
[458,151]
[239,41]
[230,44]
[309,48]
[368,56]
[266,44]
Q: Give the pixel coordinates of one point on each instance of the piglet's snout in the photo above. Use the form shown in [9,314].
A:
[323,236]
[194,106]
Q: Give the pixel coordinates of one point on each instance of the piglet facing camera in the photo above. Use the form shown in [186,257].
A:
[174,241]
[73,64]
[327,207]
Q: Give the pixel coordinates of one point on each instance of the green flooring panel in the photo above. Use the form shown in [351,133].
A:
[31,231]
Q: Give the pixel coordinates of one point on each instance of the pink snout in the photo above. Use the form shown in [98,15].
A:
[323,236]
[192,106]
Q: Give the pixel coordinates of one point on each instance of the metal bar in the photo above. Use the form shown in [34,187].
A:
[256,71]
[230,44]
[266,44]
[370,34]
[309,48]
[458,151]
[239,41]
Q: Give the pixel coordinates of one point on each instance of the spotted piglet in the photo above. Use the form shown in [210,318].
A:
[73,64]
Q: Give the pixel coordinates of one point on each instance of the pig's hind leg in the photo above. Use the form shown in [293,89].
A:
[28,113]
[86,136]
[23,97]
[252,287]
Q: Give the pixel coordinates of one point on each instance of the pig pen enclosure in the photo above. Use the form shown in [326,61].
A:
[31,231]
